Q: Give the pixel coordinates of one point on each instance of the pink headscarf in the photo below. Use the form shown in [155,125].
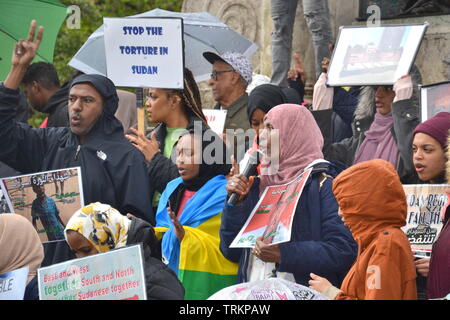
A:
[301,142]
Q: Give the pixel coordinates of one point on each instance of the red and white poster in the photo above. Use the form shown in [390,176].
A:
[273,215]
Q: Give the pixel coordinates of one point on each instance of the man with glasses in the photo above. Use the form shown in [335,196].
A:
[231,74]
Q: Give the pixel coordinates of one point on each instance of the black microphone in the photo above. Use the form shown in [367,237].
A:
[249,170]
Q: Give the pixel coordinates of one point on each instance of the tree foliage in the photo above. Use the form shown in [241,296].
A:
[92,13]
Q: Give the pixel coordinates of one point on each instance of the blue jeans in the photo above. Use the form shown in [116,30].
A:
[317,17]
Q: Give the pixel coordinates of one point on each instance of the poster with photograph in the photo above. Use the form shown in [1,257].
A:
[374,55]
[273,214]
[47,199]
[5,202]
[435,98]
[113,275]
[423,220]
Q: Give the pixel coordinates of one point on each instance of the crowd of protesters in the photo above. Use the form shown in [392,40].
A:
[169,189]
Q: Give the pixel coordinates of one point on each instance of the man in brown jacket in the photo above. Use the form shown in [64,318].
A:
[373,205]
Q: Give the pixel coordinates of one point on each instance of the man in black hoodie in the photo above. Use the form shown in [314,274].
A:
[43,91]
[112,170]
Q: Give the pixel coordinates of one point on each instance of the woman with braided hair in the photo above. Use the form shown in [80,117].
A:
[175,111]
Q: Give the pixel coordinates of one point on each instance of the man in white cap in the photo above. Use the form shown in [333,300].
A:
[231,74]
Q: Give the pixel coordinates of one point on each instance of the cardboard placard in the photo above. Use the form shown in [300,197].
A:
[145,52]
[374,55]
[113,275]
[13,284]
[216,119]
[423,223]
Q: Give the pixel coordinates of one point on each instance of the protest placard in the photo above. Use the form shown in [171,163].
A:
[47,199]
[145,53]
[423,223]
[435,98]
[5,202]
[374,55]
[13,284]
[113,275]
[273,214]
[215,119]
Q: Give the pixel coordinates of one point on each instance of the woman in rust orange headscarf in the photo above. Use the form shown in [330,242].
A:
[373,205]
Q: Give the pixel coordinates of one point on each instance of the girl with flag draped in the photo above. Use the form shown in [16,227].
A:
[189,215]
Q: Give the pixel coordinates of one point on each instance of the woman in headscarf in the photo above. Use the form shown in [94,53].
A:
[99,228]
[260,100]
[173,111]
[20,246]
[319,240]
[189,215]
[384,120]
[373,205]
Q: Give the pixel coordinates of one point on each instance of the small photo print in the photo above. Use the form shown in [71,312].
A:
[47,199]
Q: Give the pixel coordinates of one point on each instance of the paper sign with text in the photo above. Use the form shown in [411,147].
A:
[145,53]
[13,284]
[113,275]
[216,119]
[47,199]
[273,215]
[423,220]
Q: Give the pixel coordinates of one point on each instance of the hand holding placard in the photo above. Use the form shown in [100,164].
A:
[403,88]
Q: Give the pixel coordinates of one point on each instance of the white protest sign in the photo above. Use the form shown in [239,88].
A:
[144,53]
[113,275]
[215,119]
[374,55]
[423,221]
[13,284]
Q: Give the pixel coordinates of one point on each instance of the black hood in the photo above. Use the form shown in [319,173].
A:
[107,123]
[142,232]
[59,97]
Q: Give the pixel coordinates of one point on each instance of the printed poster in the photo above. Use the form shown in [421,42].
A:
[47,199]
[423,220]
[113,275]
[5,202]
[435,98]
[13,284]
[374,55]
[273,215]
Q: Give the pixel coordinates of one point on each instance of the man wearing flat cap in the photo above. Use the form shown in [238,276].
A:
[230,76]
[112,170]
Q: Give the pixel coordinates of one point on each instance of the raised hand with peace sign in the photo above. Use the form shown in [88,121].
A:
[23,53]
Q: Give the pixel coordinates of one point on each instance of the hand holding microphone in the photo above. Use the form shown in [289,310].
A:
[239,184]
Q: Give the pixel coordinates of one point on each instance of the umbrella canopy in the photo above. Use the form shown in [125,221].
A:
[15,19]
[268,289]
[202,32]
